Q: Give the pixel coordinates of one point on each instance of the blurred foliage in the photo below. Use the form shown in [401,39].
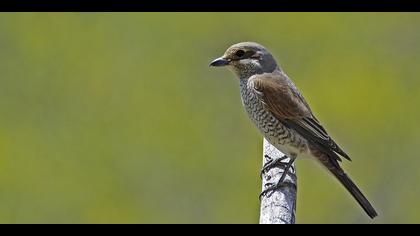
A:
[117,118]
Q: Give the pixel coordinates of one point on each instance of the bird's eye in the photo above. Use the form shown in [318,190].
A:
[239,53]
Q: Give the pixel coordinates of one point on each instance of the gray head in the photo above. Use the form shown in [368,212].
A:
[247,59]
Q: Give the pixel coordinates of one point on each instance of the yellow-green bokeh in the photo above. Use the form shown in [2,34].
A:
[117,118]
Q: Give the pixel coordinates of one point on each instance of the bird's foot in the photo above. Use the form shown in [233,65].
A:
[271,163]
[270,188]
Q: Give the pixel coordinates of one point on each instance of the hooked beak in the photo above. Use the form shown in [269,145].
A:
[220,62]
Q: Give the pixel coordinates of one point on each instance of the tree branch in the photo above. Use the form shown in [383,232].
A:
[278,207]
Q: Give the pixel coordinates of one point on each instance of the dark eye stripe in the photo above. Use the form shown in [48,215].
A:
[239,53]
[249,54]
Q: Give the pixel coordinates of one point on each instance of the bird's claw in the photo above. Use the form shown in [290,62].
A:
[270,189]
[271,163]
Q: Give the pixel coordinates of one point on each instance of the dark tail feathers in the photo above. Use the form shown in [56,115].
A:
[354,191]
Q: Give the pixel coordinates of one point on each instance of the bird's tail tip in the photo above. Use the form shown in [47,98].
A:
[358,195]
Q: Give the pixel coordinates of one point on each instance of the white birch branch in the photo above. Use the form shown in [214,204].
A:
[278,207]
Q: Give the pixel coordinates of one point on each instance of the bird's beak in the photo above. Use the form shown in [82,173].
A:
[220,62]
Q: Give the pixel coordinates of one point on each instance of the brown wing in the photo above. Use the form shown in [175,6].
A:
[282,98]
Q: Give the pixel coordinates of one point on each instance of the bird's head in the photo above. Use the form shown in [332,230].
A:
[247,59]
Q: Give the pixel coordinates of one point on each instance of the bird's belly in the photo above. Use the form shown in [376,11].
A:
[286,140]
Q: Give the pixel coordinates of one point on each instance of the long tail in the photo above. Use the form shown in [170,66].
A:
[333,166]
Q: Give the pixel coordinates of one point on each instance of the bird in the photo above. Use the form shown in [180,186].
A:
[282,115]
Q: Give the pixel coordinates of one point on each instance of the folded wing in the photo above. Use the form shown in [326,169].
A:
[281,97]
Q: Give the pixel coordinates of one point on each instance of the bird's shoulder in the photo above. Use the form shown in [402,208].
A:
[280,95]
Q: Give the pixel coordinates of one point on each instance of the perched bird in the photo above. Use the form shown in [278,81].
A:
[282,115]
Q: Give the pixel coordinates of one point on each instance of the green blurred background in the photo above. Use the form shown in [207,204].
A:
[117,118]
